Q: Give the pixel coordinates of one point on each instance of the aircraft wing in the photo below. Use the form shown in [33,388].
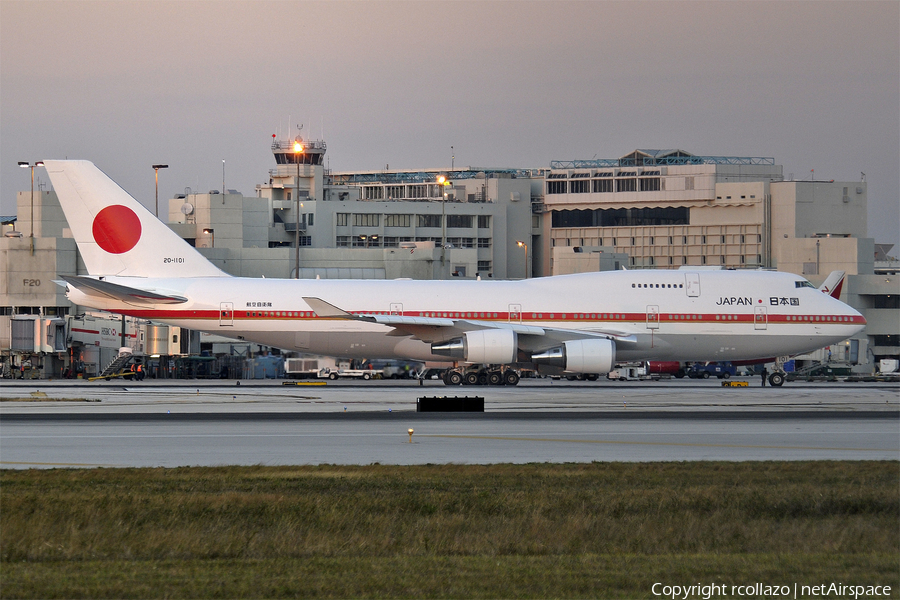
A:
[438,329]
[105,289]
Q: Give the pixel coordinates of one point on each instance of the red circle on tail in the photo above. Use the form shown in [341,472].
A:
[117,229]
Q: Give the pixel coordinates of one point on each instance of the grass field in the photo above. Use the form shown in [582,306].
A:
[525,531]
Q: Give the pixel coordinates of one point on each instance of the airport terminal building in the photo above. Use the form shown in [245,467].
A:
[656,209]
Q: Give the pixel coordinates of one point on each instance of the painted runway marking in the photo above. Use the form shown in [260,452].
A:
[633,443]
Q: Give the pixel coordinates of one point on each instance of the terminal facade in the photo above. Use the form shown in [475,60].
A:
[660,209]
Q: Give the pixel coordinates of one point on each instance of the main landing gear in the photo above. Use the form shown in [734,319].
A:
[776,379]
[481,376]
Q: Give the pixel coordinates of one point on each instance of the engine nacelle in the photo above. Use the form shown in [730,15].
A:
[484,346]
[580,356]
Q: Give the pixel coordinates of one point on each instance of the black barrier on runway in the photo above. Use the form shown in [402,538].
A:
[448,404]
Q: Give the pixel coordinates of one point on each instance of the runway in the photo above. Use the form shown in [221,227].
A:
[62,424]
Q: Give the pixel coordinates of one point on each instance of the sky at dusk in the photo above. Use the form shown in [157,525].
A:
[816,85]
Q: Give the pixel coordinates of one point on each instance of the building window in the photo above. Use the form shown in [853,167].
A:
[626,185]
[397,220]
[365,220]
[343,219]
[391,242]
[342,241]
[556,187]
[602,186]
[394,192]
[305,240]
[649,184]
[484,221]
[484,266]
[463,221]
[580,187]
[372,192]
[417,191]
[428,220]
[484,242]
[309,219]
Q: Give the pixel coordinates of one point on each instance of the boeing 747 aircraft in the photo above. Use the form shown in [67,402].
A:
[581,323]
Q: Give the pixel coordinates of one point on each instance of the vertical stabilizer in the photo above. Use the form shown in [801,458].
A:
[115,233]
[833,284]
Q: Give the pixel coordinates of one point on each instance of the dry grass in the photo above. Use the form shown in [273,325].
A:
[480,530]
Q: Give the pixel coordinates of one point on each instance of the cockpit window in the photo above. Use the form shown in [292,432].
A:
[803,284]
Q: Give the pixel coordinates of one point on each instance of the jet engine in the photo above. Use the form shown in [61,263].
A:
[580,356]
[484,346]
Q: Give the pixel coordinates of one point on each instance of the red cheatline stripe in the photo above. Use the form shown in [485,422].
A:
[525,317]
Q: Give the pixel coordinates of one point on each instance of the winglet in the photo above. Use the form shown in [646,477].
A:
[833,284]
[326,310]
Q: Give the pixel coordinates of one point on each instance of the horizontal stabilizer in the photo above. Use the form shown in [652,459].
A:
[105,289]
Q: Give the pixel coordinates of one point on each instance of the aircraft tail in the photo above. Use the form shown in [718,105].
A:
[115,233]
[833,284]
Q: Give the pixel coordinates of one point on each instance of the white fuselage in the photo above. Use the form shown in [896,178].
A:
[669,315]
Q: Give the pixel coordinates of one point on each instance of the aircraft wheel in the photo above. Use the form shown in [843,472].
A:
[705,374]
[454,378]
[495,378]
[471,378]
[510,377]
[776,380]
[482,378]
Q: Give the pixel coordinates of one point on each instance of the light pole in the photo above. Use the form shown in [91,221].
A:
[442,181]
[298,150]
[524,245]
[25,165]
[157,168]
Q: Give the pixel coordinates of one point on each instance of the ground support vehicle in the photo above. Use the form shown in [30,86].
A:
[707,370]
[329,373]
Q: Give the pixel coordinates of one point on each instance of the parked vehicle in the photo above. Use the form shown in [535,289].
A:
[329,373]
[711,369]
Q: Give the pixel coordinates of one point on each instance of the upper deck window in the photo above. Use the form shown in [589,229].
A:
[804,283]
